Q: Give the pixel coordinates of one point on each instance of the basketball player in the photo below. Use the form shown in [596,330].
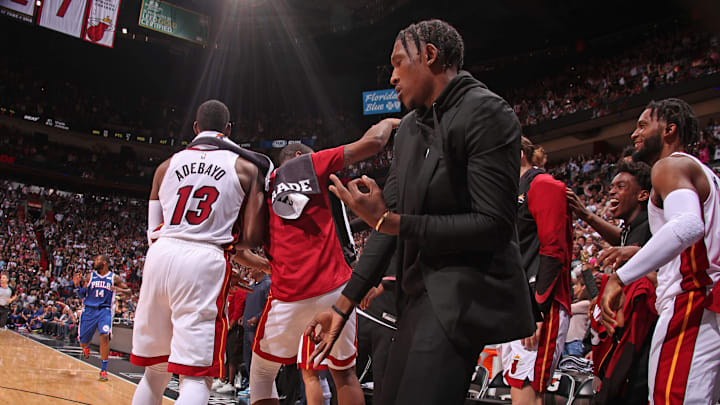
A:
[545,233]
[196,198]
[98,295]
[684,215]
[308,269]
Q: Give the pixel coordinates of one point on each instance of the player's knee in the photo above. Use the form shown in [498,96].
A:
[200,381]
[262,378]
[310,377]
[160,368]
[345,377]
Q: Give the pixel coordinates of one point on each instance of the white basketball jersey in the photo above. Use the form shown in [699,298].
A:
[201,195]
[698,267]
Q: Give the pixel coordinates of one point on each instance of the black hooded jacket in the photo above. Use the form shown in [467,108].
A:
[454,179]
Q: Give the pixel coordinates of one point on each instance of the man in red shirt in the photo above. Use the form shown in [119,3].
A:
[545,234]
[308,269]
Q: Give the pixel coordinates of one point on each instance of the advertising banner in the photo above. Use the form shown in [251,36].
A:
[281,143]
[173,20]
[101,22]
[66,16]
[380,102]
[20,9]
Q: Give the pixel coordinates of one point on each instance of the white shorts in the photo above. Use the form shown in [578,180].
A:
[684,363]
[536,367]
[180,317]
[282,325]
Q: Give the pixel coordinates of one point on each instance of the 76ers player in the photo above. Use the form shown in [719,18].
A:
[98,299]
[196,198]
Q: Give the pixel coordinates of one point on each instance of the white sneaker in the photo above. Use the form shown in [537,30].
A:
[217,384]
[226,388]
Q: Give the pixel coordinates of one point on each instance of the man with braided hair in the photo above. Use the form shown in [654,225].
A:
[684,215]
[447,214]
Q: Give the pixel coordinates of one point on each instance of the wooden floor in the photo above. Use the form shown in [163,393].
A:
[32,373]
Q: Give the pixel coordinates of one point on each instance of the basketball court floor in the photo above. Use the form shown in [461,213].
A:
[36,369]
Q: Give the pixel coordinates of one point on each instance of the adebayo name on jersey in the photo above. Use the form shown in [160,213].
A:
[214,171]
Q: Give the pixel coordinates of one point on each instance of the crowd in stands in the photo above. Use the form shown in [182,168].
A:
[28,90]
[41,249]
[47,235]
[658,62]
[97,163]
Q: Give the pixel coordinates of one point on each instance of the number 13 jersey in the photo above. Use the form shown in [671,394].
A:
[201,195]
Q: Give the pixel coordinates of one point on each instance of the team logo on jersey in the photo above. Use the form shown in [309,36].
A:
[513,367]
[521,199]
[106,328]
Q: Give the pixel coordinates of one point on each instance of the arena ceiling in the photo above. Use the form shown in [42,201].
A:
[499,27]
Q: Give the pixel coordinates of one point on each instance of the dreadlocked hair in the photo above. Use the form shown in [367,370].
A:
[442,35]
[678,112]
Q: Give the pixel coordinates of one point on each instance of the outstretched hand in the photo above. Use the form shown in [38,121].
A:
[576,205]
[369,206]
[612,302]
[615,256]
[78,279]
[383,129]
[323,330]
[240,277]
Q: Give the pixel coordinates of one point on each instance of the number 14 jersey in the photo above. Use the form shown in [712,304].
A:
[201,195]
[100,292]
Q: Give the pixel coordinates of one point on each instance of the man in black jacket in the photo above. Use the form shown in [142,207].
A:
[448,211]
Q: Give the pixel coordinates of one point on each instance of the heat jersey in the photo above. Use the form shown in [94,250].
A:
[699,265]
[201,195]
[100,293]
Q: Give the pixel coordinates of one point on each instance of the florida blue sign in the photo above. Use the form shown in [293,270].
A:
[380,102]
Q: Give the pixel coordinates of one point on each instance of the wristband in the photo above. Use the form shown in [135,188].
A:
[341,313]
[381,220]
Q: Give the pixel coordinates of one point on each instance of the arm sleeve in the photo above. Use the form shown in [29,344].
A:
[328,161]
[492,148]
[378,250]
[684,227]
[155,218]
[548,206]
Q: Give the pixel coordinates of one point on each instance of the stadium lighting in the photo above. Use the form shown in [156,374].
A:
[124,30]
